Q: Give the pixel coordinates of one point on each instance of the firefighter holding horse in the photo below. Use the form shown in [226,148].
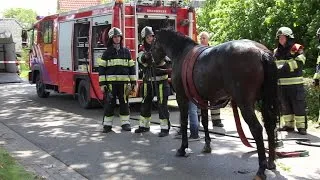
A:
[155,77]
[290,60]
[316,76]
[116,78]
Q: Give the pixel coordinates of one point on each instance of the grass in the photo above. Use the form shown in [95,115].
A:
[24,69]
[11,170]
[283,167]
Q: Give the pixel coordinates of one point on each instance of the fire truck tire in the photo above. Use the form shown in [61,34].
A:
[84,98]
[41,88]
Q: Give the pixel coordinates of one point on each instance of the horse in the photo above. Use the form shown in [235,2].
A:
[242,71]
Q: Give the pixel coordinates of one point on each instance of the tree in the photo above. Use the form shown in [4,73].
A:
[260,19]
[25,16]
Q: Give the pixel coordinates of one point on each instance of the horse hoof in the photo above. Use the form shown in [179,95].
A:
[181,153]
[260,177]
[206,149]
[271,165]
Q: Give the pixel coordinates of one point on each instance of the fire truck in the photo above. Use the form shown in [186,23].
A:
[66,46]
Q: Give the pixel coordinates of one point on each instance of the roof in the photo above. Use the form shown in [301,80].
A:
[67,5]
[10,20]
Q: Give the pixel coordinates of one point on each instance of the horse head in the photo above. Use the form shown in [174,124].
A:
[157,50]
[171,43]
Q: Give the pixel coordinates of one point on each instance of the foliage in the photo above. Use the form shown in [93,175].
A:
[24,67]
[260,19]
[10,169]
[313,101]
[25,16]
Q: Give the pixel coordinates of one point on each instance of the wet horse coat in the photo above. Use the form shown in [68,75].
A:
[241,70]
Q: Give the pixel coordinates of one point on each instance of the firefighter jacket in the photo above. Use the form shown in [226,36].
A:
[116,66]
[290,63]
[317,74]
[160,70]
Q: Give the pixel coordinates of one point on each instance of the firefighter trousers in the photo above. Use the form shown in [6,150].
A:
[114,91]
[150,89]
[292,99]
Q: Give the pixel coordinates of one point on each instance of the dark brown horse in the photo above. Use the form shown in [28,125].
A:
[241,70]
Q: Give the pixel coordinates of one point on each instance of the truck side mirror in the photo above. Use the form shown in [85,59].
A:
[24,37]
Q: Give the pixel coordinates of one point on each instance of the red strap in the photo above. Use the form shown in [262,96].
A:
[187,76]
[238,125]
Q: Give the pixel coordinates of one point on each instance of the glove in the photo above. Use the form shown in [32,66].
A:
[280,66]
[316,82]
[133,85]
[103,88]
[148,58]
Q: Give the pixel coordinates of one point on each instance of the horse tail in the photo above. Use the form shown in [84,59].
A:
[270,101]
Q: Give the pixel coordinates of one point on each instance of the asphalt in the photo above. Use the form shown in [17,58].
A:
[9,78]
[56,139]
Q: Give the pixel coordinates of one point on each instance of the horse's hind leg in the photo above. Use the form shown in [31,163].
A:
[250,117]
[270,125]
[204,121]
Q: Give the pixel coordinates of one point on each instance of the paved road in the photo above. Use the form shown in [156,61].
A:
[60,128]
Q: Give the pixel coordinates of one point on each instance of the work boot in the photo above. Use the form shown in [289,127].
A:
[126,127]
[142,130]
[163,133]
[106,129]
[286,128]
[217,123]
[302,131]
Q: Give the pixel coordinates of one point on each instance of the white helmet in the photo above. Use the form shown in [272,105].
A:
[318,32]
[114,32]
[146,31]
[285,31]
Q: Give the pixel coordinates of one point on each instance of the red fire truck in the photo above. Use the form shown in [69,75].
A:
[66,46]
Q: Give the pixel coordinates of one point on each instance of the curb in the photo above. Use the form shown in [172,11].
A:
[35,159]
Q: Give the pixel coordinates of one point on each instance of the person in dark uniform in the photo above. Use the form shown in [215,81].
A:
[290,60]
[155,79]
[316,76]
[117,76]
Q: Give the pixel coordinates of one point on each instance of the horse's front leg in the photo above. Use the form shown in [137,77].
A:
[204,121]
[255,127]
[183,129]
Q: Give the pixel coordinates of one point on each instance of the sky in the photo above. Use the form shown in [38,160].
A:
[42,7]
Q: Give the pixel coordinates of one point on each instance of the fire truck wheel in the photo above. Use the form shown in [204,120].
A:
[84,98]
[41,88]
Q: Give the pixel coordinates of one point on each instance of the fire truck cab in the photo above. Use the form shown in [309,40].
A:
[66,46]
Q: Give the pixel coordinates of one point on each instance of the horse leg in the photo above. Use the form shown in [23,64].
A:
[183,106]
[204,121]
[250,117]
[270,120]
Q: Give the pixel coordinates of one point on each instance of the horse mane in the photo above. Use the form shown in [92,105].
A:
[176,41]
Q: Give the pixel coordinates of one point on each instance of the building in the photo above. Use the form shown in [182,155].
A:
[12,27]
[67,5]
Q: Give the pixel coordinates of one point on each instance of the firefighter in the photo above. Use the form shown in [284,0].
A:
[290,60]
[155,82]
[214,115]
[116,78]
[316,76]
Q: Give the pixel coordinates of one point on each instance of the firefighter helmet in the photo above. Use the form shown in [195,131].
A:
[146,31]
[318,32]
[285,31]
[114,32]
